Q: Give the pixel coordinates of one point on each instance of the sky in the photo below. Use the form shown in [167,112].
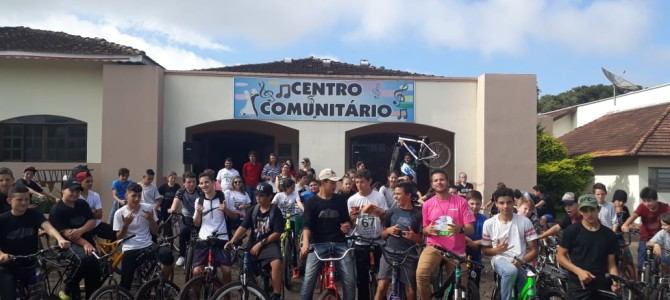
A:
[563,42]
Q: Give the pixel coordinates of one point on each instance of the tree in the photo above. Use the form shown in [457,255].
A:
[558,172]
[577,95]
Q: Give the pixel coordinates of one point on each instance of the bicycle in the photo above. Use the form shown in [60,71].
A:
[111,290]
[396,259]
[537,285]
[637,288]
[38,285]
[204,286]
[435,155]
[246,288]
[453,287]
[162,286]
[328,276]
[289,240]
[664,282]
[649,275]
[372,246]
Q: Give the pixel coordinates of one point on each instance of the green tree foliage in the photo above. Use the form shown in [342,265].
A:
[577,95]
[557,171]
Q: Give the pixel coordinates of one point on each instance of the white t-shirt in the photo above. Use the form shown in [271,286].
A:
[368,226]
[388,195]
[287,203]
[225,176]
[139,227]
[150,194]
[213,218]
[93,200]
[517,233]
[237,199]
[607,214]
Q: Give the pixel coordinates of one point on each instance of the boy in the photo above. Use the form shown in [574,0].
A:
[150,194]
[571,216]
[184,200]
[6,182]
[168,191]
[34,187]
[313,190]
[607,213]
[402,231]
[587,250]
[119,187]
[661,243]
[473,241]
[508,237]
[102,230]
[19,236]
[650,210]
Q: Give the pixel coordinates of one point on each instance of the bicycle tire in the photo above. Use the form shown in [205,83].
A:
[206,293]
[111,292]
[373,285]
[472,291]
[552,294]
[329,295]
[232,291]
[188,266]
[148,290]
[394,158]
[443,155]
[287,261]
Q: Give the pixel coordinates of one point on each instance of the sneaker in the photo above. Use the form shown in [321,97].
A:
[295,273]
[180,261]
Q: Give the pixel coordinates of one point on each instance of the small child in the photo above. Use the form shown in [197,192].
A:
[474,250]
[526,208]
[661,243]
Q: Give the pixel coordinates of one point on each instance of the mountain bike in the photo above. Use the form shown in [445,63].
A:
[204,286]
[246,288]
[161,286]
[290,256]
[536,285]
[396,259]
[434,155]
[454,287]
[38,286]
[111,290]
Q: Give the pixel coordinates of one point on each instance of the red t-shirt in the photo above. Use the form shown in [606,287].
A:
[651,220]
[251,173]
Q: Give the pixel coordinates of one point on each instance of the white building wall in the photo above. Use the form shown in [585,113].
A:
[195,99]
[69,89]
[655,95]
[563,125]
[619,173]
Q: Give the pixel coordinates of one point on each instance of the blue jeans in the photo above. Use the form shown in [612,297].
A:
[509,275]
[252,194]
[641,254]
[345,269]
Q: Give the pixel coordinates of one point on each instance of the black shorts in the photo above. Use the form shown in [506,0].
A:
[221,256]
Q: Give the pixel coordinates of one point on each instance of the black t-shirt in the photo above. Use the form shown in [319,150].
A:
[547,208]
[4,205]
[18,234]
[589,249]
[567,221]
[64,217]
[260,225]
[464,189]
[323,218]
[31,184]
[168,193]
[406,219]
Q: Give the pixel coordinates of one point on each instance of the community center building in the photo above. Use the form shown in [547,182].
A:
[69,100]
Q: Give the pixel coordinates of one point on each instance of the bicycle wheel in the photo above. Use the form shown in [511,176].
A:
[552,294]
[473,291]
[329,295]
[236,291]
[287,258]
[188,266]
[441,160]
[111,292]
[153,289]
[197,288]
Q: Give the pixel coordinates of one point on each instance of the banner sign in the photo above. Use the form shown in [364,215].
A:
[261,98]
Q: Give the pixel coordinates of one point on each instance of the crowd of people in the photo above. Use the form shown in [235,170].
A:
[328,210]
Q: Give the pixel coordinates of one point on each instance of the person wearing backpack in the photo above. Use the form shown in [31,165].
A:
[265,226]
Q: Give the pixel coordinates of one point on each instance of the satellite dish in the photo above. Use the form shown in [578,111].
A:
[620,82]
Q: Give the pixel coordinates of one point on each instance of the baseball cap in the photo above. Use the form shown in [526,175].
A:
[30,168]
[328,174]
[587,200]
[568,197]
[81,176]
[264,188]
[72,185]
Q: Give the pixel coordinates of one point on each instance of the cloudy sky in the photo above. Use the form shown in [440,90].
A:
[564,42]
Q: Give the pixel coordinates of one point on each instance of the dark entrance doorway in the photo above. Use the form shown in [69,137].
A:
[374,144]
[207,145]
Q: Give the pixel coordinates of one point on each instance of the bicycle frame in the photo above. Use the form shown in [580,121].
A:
[406,142]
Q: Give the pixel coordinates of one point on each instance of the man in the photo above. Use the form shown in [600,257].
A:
[251,173]
[150,194]
[506,237]
[607,212]
[102,230]
[368,226]
[226,175]
[6,182]
[137,219]
[650,211]
[402,231]
[571,216]
[587,250]
[326,222]
[446,220]
[463,186]
[73,218]
[265,225]
[19,236]
[185,200]
[34,187]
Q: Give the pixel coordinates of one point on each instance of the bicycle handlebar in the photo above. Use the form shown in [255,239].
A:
[526,265]
[637,286]
[388,253]
[34,255]
[316,253]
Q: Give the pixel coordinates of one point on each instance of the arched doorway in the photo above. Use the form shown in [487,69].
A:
[208,144]
[373,144]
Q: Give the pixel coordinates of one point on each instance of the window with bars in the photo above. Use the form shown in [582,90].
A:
[43,138]
[659,179]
